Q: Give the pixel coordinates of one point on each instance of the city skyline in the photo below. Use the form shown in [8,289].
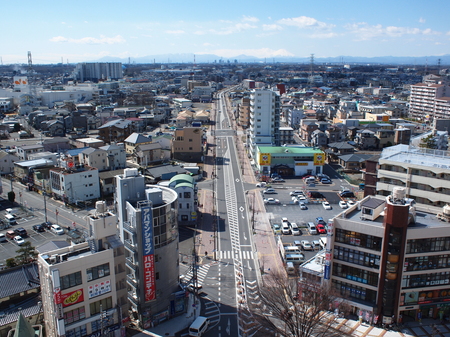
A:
[90,31]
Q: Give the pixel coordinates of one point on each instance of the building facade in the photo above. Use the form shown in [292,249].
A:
[390,259]
[98,71]
[83,286]
[187,144]
[430,99]
[265,113]
[148,228]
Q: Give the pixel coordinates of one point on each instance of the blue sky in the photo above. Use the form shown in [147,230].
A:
[78,31]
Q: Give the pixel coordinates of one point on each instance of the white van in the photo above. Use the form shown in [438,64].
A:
[290,268]
[12,211]
[295,258]
[294,229]
[10,219]
[310,180]
[323,242]
[312,228]
[292,250]
[199,326]
[285,228]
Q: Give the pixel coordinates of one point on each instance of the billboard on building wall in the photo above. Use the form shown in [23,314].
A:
[148,253]
[319,158]
[72,298]
[264,159]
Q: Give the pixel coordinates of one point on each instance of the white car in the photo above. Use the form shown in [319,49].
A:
[261,184]
[269,191]
[315,244]
[343,204]
[306,245]
[296,193]
[326,205]
[294,229]
[351,203]
[302,205]
[18,240]
[57,230]
[271,201]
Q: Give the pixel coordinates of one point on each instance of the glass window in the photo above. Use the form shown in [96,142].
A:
[71,280]
[97,272]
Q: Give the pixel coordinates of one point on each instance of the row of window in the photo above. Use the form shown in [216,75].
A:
[355,274]
[425,280]
[74,279]
[427,245]
[356,257]
[358,239]
[354,292]
[427,262]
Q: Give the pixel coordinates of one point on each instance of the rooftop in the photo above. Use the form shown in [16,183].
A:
[416,156]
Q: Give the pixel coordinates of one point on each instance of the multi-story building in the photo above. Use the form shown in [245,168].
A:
[184,185]
[264,127]
[98,71]
[187,144]
[244,112]
[75,183]
[390,258]
[430,99]
[116,156]
[83,286]
[148,228]
[425,173]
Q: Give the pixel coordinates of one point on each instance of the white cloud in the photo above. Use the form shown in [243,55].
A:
[422,20]
[260,53]
[236,28]
[90,40]
[175,32]
[305,22]
[271,27]
[249,18]
[364,31]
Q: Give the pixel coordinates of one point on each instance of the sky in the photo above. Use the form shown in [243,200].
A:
[82,31]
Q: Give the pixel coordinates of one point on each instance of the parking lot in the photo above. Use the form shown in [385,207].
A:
[287,208]
[8,249]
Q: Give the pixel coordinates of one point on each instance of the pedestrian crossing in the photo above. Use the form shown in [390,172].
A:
[243,255]
[202,271]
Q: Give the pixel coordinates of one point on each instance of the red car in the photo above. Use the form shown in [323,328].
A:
[321,229]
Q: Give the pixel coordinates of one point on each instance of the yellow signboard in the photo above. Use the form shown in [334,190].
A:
[319,159]
[301,164]
[264,159]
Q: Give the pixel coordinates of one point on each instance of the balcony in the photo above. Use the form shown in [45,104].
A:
[127,226]
[130,246]
[131,280]
[132,297]
[130,263]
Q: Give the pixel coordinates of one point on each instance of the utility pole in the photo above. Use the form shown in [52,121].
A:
[44,192]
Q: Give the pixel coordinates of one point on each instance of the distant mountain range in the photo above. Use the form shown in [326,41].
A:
[210,58]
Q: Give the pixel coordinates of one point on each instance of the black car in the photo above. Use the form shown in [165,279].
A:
[38,228]
[47,225]
[21,232]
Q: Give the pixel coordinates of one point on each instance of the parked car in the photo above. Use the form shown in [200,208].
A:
[18,240]
[276,228]
[261,184]
[57,230]
[306,245]
[321,229]
[343,204]
[294,229]
[296,192]
[320,220]
[326,205]
[325,181]
[271,201]
[10,234]
[3,237]
[278,180]
[351,203]
[21,232]
[269,191]
[38,228]
[47,225]
[315,244]
[303,205]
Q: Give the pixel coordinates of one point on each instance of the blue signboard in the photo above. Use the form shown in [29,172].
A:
[326,274]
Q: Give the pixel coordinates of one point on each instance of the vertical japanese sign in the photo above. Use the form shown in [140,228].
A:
[148,253]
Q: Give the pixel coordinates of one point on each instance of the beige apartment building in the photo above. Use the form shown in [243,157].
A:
[430,99]
[425,173]
[84,285]
[187,144]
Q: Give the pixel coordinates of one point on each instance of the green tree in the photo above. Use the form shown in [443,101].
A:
[11,196]
[428,142]
[11,262]
[26,253]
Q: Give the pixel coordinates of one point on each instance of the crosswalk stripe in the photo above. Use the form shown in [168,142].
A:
[242,255]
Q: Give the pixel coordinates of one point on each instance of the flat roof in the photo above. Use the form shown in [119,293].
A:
[288,149]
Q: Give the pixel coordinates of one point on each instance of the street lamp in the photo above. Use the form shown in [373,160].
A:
[40,177]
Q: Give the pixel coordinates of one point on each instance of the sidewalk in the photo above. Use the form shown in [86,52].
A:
[174,325]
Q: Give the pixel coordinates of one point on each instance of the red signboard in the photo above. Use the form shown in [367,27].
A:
[149,277]
[57,295]
[72,298]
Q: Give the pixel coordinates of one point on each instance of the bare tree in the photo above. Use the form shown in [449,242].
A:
[297,309]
